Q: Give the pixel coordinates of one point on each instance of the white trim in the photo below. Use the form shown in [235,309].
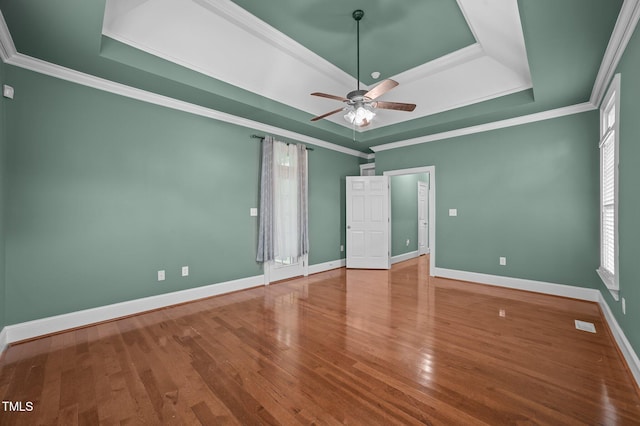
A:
[238,16]
[622,32]
[10,56]
[563,290]
[33,64]
[54,324]
[31,329]
[7,48]
[497,62]
[3,340]
[405,256]
[57,71]
[58,323]
[610,280]
[623,343]
[367,166]
[525,119]
[443,63]
[327,266]
[432,207]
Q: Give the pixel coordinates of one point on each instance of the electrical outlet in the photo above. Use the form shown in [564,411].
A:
[408,241]
[185,271]
[503,261]
[624,307]
[341,247]
[161,275]
[453,212]
[253,212]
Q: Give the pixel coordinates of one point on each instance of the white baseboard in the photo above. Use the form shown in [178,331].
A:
[581,293]
[40,327]
[31,329]
[3,340]
[327,266]
[43,326]
[404,256]
[588,294]
[625,347]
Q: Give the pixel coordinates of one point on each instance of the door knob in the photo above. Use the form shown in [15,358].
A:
[348,226]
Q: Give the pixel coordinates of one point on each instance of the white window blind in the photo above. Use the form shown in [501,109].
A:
[608,204]
[609,113]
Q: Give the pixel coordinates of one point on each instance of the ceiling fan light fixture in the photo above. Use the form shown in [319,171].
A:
[361,104]
[359,114]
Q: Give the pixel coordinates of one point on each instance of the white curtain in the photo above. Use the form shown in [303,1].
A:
[303,200]
[283,229]
[265,228]
[285,195]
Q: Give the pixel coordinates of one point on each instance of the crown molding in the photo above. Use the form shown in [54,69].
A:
[7,48]
[8,53]
[539,116]
[622,32]
[12,57]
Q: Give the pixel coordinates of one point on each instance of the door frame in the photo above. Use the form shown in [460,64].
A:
[426,251]
[432,207]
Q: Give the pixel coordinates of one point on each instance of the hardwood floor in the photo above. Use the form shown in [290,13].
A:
[340,347]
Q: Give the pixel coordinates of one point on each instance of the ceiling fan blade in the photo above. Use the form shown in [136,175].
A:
[399,106]
[381,89]
[327,114]
[326,95]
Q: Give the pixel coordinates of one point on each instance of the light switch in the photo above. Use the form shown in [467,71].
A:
[253,211]
[185,271]
[161,275]
[7,91]
[453,212]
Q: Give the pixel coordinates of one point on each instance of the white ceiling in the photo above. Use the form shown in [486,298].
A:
[221,40]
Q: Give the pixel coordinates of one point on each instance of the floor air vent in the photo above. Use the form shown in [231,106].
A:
[585,326]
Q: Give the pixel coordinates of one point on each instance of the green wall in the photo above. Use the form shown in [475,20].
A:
[327,197]
[3,169]
[404,212]
[106,190]
[629,195]
[526,192]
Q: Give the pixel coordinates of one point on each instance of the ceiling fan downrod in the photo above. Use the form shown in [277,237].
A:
[358,15]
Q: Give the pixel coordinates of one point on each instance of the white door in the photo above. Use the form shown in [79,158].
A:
[423,218]
[368,222]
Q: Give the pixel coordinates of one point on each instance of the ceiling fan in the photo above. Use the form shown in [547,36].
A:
[361,104]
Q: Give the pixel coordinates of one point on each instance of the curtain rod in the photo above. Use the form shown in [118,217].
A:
[262,137]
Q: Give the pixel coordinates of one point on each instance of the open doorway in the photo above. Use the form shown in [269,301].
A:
[406,219]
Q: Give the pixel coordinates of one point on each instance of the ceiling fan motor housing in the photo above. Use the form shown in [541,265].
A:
[357,95]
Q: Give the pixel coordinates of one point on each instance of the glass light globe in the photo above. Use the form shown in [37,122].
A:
[350,116]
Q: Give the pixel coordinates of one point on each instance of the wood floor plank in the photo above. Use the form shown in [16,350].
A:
[342,347]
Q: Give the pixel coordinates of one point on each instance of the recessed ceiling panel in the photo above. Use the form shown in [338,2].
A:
[394,36]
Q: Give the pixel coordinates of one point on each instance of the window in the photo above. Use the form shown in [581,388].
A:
[609,135]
